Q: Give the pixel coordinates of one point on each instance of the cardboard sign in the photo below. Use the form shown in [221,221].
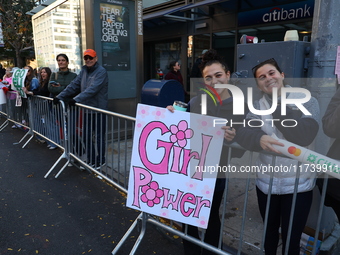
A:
[170,157]
[18,80]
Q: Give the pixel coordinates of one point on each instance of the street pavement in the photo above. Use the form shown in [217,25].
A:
[77,213]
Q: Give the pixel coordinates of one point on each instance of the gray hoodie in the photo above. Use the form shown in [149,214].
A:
[90,87]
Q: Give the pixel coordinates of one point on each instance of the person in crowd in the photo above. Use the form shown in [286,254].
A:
[195,71]
[269,76]
[8,76]
[44,78]
[90,87]
[42,90]
[31,83]
[174,72]
[331,127]
[63,77]
[58,82]
[215,71]
[2,71]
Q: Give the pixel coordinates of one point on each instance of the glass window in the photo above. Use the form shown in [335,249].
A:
[165,53]
[60,28]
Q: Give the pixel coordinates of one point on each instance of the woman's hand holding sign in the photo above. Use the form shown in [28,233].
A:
[229,133]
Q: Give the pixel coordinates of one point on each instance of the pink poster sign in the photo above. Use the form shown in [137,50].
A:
[171,167]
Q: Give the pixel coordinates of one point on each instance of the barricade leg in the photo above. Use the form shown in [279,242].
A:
[3,125]
[127,234]
[23,138]
[141,235]
[56,163]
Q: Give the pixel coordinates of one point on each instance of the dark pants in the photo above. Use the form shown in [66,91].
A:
[94,134]
[332,198]
[212,233]
[279,214]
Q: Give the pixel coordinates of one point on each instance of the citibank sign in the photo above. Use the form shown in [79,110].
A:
[277,14]
[298,10]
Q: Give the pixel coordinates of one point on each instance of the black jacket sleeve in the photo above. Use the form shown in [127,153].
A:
[249,137]
[331,119]
[302,131]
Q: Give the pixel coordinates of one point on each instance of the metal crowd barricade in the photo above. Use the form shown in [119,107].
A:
[38,116]
[3,114]
[48,120]
[17,115]
[224,246]
[101,142]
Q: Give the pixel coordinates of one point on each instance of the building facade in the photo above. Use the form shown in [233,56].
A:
[183,29]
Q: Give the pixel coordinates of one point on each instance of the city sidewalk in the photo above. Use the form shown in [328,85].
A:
[78,213]
[74,214]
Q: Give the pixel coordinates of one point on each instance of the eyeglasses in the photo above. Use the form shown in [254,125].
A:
[88,57]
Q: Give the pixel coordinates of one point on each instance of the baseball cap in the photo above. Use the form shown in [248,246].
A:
[90,52]
[204,51]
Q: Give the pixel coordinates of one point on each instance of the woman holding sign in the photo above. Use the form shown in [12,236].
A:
[300,129]
[219,103]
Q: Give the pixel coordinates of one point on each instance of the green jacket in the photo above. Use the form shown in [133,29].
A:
[64,78]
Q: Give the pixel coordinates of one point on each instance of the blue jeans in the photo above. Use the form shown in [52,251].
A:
[94,130]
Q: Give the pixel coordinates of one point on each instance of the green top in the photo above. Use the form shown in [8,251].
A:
[64,78]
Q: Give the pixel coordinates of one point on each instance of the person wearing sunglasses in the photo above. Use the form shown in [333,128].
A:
[90,87]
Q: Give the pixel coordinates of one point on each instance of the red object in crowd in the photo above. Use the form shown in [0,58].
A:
[5,89]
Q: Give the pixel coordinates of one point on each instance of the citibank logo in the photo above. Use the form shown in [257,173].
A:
[279,14]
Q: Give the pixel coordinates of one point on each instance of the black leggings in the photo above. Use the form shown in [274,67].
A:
[214,226]
[279,214]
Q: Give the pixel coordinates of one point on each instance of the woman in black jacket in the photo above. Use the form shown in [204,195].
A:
[214,71]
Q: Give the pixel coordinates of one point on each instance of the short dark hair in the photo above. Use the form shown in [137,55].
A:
[270,61]
[211,57]
[62,55]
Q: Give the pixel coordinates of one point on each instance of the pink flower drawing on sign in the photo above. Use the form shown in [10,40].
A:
[159,114]
[140,124]
[220,132]
[181,133]
[203,124]
[164,213]
[152,194]
[191,185]
[202,222]
[144,111]
[207,191]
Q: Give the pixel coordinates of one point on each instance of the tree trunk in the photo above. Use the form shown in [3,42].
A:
[19,62]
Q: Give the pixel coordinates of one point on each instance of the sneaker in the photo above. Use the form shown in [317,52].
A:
[48,146]
[53,147]
[16,126]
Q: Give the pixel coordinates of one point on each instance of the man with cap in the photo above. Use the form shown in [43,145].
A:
[90,87]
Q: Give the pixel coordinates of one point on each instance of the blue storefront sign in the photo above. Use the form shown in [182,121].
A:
[274,14]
